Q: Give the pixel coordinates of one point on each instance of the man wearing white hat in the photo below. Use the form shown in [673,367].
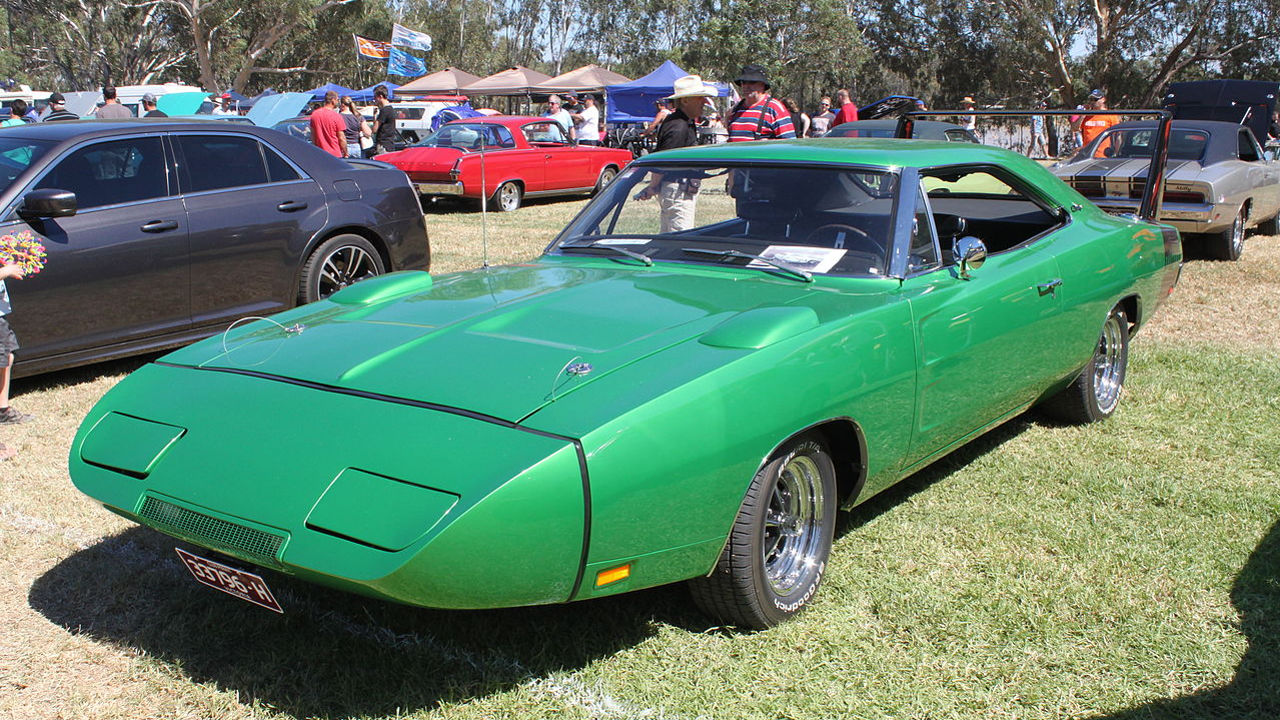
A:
[677,196]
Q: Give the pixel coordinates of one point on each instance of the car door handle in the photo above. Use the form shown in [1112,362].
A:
[156,226]
[291,206]
[1047,288]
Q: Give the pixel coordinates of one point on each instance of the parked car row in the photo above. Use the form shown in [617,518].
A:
[158,233]
[646,403]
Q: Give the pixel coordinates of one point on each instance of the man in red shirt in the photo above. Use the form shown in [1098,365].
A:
[848,111]
[758,116]
[327,127]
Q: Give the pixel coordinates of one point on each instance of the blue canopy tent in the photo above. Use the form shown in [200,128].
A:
[635,101]
[365,95]
[317,94]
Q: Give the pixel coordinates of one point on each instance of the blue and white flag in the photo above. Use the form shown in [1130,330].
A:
[404,37]
[403,64]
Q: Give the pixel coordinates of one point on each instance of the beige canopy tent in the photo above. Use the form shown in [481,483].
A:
[588,78]
[444,82]
[512,81]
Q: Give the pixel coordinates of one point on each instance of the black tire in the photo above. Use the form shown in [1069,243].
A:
[606,176]
[777,551]
[338,262]
[1270,226]
[1228,244]
[1095,394]
[508,196]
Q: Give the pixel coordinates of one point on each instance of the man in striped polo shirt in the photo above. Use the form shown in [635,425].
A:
[758,116]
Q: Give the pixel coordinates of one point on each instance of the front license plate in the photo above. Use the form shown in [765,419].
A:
[244,585]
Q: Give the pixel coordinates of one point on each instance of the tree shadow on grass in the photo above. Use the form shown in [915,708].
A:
[1254,692]
[332,653]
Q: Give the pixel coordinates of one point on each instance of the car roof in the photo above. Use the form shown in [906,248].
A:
[882,152]
[511,121]
[76,129]
[892,123]
[1222,135]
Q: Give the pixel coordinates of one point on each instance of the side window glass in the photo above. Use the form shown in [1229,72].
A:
[547,132]
[1249,151]
[277,169]
[923,251]
[987,203]
[111,173]
[215,162]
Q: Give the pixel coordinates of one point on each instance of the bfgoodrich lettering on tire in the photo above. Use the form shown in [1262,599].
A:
[777,551]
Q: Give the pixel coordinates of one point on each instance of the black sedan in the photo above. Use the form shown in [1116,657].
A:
[161,232]
[921,130]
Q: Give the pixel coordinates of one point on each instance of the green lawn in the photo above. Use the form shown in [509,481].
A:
[1123,570]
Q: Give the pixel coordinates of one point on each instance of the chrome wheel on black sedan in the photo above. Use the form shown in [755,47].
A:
[777,551]
[339,262]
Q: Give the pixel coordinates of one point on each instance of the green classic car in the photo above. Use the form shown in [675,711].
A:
[724,348]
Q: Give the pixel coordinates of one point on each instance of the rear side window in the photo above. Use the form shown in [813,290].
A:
[216,162]
[277,169]
[111,173]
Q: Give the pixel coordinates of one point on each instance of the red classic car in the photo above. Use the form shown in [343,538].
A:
[506,158]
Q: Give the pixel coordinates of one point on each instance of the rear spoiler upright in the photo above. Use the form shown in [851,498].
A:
[1152,194]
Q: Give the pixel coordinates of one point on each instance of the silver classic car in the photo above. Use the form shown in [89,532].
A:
[1219,181]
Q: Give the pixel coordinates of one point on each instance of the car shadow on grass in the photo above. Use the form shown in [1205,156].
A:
[80,374]
[331,653]
[940,469]
[1254,691]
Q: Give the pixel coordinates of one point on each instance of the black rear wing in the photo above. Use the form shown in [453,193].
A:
[1152,194]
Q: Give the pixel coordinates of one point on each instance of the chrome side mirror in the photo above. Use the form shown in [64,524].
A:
[969,253]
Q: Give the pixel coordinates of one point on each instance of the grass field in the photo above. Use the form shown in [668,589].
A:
[1125,570]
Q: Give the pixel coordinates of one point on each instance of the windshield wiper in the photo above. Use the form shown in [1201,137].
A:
[802,274]
[593,245]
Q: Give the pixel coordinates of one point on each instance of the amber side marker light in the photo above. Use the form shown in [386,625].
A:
[613,575]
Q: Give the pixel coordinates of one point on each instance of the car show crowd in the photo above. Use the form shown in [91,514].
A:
[685,116]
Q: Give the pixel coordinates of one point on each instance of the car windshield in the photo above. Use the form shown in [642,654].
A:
[16,155]
[1184,144]
[469,136]
[815,219]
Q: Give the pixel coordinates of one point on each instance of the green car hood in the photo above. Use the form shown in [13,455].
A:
[503,341]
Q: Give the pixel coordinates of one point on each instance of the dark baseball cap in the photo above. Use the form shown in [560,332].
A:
[57,99]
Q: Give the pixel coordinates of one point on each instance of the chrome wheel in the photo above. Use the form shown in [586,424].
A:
[606,177]
[339,262]
[1109,365]
[1237,235]
[508,197]
[344,266]
[793,545]
[777,551]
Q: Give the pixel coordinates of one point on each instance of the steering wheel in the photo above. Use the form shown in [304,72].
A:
[867,244]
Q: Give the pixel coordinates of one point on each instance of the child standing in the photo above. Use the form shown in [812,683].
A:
[8,344]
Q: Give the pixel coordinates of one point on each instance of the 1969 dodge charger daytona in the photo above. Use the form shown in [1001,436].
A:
[661,396]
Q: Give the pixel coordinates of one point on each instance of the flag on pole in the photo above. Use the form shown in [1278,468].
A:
[403,64]
[372,48]
[404,37]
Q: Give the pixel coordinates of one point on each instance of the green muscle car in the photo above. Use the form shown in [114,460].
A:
[724,348]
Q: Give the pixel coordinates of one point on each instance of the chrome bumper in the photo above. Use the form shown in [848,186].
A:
[438,188]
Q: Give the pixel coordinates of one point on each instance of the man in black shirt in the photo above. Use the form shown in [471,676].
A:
[58,109]
[149,105]
[385,137]
[677,197]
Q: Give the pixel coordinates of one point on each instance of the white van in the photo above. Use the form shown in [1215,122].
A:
[33,98]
